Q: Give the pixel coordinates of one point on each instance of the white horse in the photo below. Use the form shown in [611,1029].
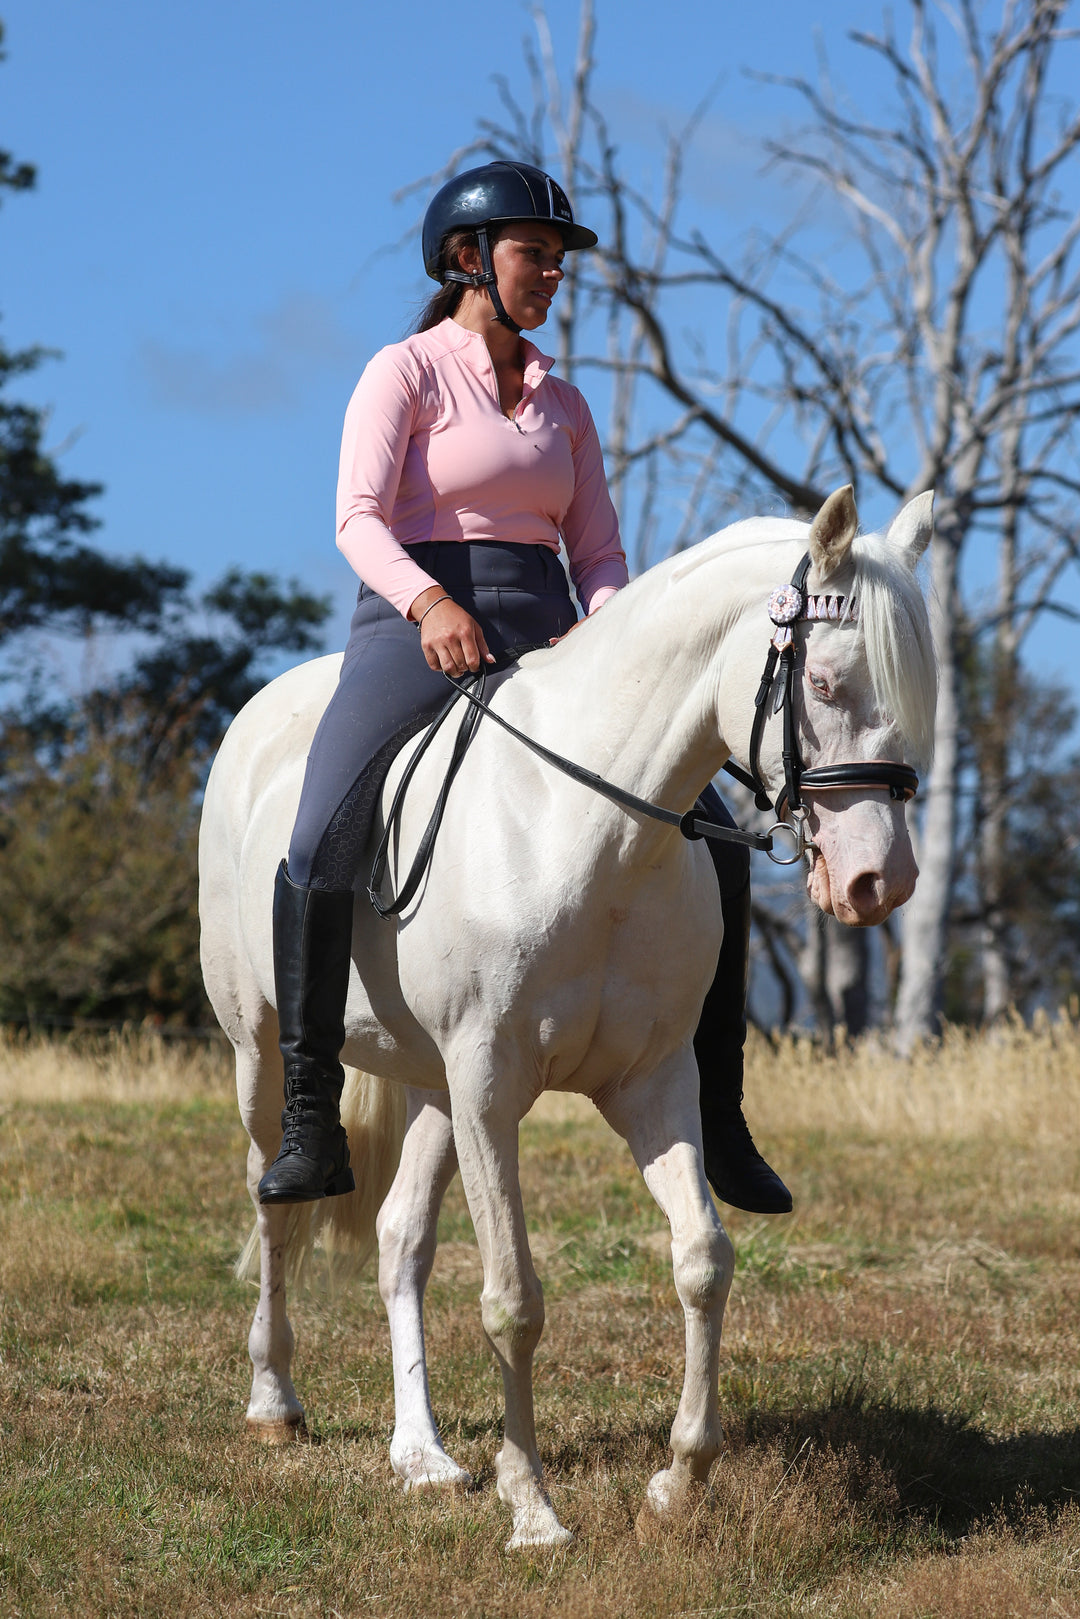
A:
[559,942]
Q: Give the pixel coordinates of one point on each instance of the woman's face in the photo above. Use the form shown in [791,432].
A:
[527,260]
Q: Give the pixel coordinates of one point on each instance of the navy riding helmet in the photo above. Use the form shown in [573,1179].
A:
[496,194]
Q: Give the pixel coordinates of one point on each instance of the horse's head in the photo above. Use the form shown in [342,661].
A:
[864,692]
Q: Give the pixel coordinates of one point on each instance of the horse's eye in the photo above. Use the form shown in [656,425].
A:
[818,682]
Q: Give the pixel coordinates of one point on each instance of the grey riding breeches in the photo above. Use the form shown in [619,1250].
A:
[386,693]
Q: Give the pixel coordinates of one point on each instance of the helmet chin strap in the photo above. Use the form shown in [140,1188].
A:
[486,278]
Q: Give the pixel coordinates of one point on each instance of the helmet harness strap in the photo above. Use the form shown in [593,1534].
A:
[486,278]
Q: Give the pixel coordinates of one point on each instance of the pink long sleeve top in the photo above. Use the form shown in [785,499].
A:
[428,454]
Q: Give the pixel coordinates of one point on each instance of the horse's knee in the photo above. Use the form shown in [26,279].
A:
[261,1153]
[260,1113]
[704,1266]
[514,1319]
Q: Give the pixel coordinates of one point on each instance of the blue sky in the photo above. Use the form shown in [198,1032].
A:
[216,186]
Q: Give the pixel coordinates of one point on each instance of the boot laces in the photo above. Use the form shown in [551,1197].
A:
[307,1129]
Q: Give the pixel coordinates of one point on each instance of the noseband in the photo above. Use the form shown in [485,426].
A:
[790,605]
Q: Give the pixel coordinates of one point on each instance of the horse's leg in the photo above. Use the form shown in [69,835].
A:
[406,1229]
[512,1304]
[660,1120]
[274,1412]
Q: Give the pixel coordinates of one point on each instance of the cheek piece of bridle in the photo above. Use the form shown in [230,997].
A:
[787,606]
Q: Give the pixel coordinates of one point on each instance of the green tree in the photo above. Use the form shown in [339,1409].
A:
[98,882]
[50,578]
[213,651]
[99,816]
[99,798]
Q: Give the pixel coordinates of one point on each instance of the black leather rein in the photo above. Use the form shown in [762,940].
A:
[787,606]
[692,824]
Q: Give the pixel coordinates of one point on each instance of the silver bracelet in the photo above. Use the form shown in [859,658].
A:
[430,605]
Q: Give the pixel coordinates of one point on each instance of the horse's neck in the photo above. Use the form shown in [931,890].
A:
[633,693]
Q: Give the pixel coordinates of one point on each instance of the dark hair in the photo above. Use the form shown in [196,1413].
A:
[446,301]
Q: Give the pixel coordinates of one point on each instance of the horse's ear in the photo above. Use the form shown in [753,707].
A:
[832,532]
[912,529]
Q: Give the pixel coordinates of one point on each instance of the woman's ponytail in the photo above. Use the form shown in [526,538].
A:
[444,303]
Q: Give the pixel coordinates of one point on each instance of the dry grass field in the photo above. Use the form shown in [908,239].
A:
[900,1381]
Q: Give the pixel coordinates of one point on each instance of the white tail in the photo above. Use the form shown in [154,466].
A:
[373,1113]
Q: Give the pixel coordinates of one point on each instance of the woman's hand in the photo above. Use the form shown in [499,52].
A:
[451,638]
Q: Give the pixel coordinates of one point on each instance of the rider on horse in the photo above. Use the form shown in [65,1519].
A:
[463,463]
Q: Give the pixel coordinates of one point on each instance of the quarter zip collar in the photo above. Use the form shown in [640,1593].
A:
[474,351]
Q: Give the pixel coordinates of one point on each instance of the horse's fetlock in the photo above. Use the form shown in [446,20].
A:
[695,1445]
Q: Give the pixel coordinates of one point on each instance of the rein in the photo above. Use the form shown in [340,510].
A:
[786,606]
[692,825]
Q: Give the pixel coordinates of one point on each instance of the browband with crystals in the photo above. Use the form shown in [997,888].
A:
[789,604]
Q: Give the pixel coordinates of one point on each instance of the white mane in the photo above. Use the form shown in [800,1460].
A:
[895,628]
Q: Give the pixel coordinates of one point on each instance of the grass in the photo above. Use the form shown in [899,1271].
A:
[900,1380]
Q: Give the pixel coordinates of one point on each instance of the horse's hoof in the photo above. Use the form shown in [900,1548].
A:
[430,1470]
[280,1431]
[537,1526]
[662,1495]
[669,1501]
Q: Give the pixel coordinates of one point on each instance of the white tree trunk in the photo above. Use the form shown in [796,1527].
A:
[925,919]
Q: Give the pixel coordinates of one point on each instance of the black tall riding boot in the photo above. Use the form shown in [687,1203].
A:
[736,1170]
[312,951]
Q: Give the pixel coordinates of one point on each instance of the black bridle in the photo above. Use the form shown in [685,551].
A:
[790,605]
[787,606]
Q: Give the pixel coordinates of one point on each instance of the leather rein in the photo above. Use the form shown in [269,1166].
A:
[787,606]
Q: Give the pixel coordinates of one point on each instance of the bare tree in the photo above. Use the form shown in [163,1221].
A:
[935,346]
[834,966]
[972,259]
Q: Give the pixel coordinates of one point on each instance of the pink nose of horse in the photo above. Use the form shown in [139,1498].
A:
[871,896]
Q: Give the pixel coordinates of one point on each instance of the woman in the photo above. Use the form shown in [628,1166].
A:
[462,465]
